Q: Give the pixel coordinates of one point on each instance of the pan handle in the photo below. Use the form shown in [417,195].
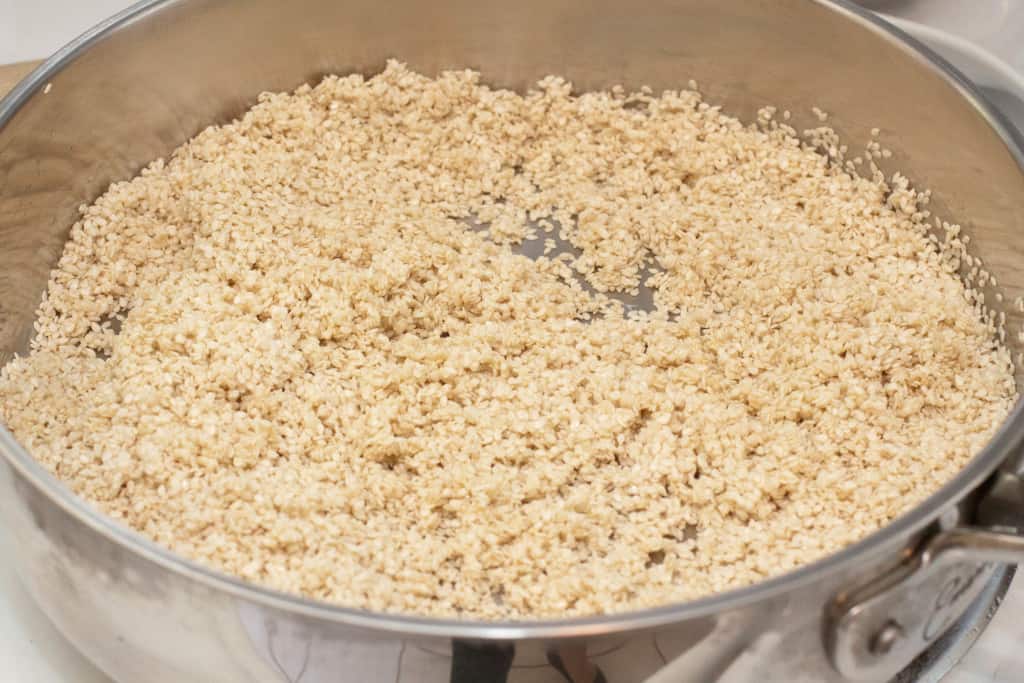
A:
[876,629]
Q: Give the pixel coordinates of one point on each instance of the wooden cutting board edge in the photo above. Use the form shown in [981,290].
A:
[10,74]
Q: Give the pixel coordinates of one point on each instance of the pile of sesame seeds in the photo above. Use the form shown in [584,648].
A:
[302,350]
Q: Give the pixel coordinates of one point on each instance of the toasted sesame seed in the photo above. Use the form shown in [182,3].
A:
[332,374]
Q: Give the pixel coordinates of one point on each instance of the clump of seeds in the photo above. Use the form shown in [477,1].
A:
[302,350]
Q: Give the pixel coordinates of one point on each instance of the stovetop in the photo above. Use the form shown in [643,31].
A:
[984,38]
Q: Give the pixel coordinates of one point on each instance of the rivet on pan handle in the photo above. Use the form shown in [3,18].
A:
[876,629]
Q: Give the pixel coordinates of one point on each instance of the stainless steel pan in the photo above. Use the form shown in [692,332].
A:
[143,82]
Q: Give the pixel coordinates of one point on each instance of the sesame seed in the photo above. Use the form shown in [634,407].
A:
[304,350]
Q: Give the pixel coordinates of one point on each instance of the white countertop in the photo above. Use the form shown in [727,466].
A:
[32,650]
